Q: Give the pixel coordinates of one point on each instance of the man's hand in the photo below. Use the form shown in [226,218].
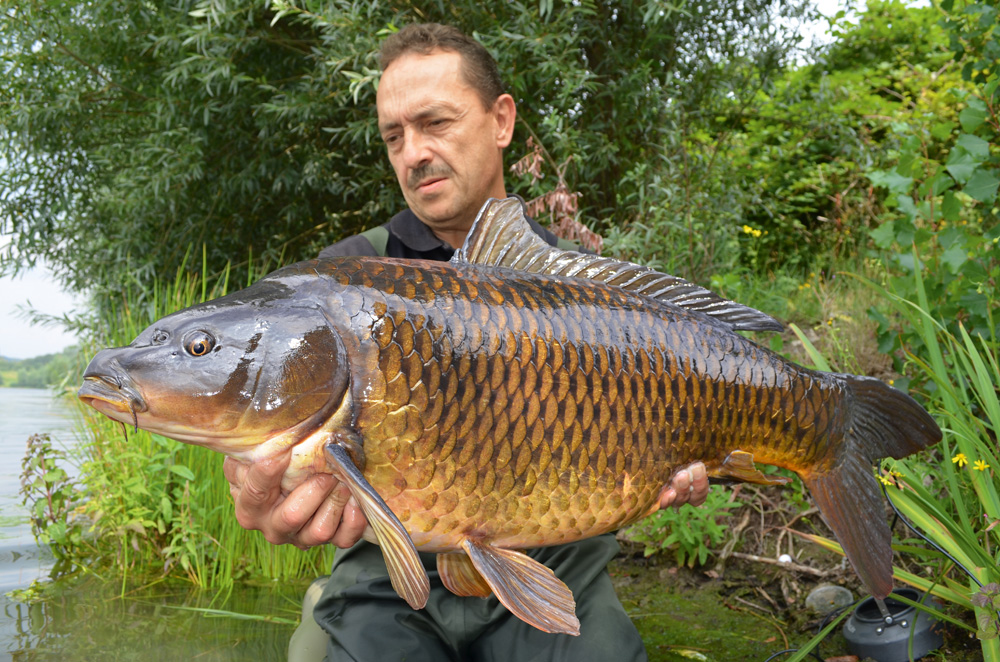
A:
[689,485]
[318,511]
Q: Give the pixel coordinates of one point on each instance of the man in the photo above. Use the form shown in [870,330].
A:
[445,121]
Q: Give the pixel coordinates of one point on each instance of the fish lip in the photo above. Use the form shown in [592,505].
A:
[114,388]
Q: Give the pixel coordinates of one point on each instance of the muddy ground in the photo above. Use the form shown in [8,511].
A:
[743,605]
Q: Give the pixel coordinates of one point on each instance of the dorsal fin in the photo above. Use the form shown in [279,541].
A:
[501,237]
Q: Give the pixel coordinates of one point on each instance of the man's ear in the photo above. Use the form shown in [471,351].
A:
[505,112]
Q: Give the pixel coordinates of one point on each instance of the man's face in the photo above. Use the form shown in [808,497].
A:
[445,147]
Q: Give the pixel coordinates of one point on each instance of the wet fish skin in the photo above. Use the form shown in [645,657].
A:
[475,410]
[548,409]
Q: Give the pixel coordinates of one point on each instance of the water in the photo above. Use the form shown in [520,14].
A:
[23,412]
[102,620]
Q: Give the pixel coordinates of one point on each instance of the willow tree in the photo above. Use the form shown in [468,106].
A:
[134,132]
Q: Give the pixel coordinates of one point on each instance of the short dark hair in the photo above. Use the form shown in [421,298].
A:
[478,67]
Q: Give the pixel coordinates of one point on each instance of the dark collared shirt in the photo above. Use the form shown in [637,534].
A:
[410,238]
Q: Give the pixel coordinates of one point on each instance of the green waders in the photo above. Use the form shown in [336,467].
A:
[367,622]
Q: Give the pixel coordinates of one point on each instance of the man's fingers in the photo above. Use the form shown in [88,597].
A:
[688,485]
[302,505]
[699,484]
[352,525]
[235,473]
[338,520]
[262,480]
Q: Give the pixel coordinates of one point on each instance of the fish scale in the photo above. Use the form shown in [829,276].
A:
[630,431]
[519,396]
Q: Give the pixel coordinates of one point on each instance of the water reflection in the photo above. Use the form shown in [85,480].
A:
[90,620]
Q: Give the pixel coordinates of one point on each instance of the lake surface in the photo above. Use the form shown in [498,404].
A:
[102,620]
[24,412]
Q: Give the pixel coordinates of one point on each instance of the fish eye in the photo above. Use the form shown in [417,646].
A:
[199,343]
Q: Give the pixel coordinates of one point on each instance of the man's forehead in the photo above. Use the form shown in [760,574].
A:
[417,85]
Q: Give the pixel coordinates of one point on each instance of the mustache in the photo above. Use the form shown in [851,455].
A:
[426,172]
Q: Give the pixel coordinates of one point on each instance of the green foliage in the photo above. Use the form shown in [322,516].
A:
[137,129]
[943,192]
[51,496]
[153,504]
[689,532]
[40,371]
[773,176]
[987,599]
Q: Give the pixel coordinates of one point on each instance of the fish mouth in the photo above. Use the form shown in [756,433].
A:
[113,395]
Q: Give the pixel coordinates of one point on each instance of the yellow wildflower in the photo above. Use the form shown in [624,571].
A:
[981,465]
[886,480]
[960,460]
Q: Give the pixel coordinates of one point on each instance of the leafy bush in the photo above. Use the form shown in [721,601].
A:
[137,129]
[144,503]
[944,220]
[51,497]
[690,533]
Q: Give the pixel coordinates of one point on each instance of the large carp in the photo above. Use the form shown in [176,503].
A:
[516,397]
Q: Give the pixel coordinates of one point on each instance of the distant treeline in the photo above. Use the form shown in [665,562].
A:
[40,371]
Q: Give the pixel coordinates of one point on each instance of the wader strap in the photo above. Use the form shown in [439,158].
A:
[378,238]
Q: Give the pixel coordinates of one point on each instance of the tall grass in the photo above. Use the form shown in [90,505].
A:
[159,507]
[952,493]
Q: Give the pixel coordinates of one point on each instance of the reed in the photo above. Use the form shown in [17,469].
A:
[156,506]
[951,495]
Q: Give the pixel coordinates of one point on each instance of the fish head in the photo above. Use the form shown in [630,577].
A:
[230,374]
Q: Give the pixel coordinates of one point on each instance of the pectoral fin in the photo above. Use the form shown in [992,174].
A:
[739,465]
[531,591]
[405,569]
[461,577]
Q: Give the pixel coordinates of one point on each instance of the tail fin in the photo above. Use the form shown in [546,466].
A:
[881,422]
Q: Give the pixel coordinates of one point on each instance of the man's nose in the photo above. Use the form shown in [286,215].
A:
[416,150]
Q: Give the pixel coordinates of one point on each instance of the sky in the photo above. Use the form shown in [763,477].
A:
[20,340]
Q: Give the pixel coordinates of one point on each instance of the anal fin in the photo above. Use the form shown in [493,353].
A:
[406,572]
[739,465]
[530,590]
[460,576]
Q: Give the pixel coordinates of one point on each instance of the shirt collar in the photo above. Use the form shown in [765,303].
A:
[414,234]
[418,236]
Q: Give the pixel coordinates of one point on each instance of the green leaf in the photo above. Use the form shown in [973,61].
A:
[884,235]
[892,180]
[955,257]
[182,471]
[942,130]
[951,208]
[975,146]
[973,115]
[941,183]
[961,165]
[982,186]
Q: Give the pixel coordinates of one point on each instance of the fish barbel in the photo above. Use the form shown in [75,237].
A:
[519,396]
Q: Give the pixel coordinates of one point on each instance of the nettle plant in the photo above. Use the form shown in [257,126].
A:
[943,192]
